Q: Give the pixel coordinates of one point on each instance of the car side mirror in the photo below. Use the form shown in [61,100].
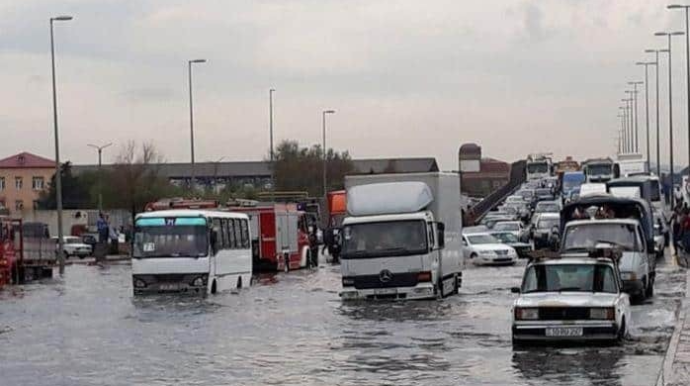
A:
[515,290]
[441,234]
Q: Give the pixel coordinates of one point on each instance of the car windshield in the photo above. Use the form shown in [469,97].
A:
[381,239]
[71,240]
[538,167]
[526,194]
[482,239]
[547,208]
[506,226]
[587,236]
[548,223]
[181,239]
[569,277]
[506,237]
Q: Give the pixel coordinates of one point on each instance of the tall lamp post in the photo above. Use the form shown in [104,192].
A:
[58,176]
[624,127]
[325,159]
[635,111]
[191,116]
[628,124]
[100,174]
[687,65]
[670,108]
[658,128]
[270,129]
[621,115]
[646,107]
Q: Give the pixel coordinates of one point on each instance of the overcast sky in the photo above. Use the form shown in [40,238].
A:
[407,78]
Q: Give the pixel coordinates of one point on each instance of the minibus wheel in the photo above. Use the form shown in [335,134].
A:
[214,288]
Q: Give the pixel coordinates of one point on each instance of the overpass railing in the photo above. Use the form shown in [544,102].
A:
[517,177]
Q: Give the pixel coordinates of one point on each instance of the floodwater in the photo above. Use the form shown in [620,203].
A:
[292,329]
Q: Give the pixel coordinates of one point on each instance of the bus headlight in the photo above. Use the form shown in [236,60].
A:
[198,282]
[138,283]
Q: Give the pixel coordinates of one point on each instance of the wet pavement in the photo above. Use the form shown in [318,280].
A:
[292,329]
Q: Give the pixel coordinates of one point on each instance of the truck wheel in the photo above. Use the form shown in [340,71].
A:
[214,288]
[287,263]
[239,282]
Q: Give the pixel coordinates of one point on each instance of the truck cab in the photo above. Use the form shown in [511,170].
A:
[401,239]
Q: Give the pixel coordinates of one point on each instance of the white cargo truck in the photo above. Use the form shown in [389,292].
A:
[402,236]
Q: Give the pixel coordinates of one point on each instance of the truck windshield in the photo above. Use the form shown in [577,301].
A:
[599,169]
[382,239]
[569,277]
[586,236]
[539,167]
[171,241]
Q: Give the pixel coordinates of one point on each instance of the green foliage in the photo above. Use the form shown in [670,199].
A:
[75,191]
[301,169]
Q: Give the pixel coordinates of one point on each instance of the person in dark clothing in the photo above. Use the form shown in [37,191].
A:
[314,245]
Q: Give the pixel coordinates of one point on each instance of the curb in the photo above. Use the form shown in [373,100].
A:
[666,371]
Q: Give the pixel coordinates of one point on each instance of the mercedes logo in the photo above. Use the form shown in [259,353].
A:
[385,276]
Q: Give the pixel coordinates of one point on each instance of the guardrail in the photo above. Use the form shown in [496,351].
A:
[517,177]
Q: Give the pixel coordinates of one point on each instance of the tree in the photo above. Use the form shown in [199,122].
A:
[298,168]
[134,179]
[75,191]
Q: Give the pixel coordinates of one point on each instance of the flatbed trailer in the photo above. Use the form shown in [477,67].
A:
[24,257]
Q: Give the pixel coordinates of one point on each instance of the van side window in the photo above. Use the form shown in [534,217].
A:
[238,234]
[217,227]
[245,234]
[231,234]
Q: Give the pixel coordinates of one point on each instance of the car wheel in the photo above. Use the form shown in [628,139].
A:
[622,332]
[473,256]
[239,282]
[649,291]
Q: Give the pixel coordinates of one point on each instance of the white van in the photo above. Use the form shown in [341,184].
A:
[191,251]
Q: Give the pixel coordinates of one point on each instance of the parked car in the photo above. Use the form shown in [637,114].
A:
[73,246]
[483,248]
[570,299]
[522,249]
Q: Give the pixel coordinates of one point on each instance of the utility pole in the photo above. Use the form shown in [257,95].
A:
[100,173]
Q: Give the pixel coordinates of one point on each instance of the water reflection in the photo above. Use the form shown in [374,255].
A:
[574,366]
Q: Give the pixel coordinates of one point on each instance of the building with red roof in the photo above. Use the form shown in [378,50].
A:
[23,177]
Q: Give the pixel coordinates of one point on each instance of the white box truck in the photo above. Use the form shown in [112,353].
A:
[401,238]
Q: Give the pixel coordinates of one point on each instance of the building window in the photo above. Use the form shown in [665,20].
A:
[2,183]
[37,183]
[19,205]
[37,205]
[18,183]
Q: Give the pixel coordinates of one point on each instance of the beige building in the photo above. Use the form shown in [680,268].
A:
[22,179]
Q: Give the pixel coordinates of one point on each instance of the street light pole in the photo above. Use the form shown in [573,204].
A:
[58,175]
[687,66]
[270,120]
[100,174]
[628,125]
[635,111]
[646,115]
[191,116]
[658,127]
[670,108]
[325,159]
[621,134]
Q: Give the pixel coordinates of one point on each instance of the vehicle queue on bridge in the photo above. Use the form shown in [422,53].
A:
[590,238]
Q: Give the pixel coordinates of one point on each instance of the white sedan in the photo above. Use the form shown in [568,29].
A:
[483,248]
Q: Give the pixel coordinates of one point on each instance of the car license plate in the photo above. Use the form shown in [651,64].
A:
[385,291]
[564,331]
[170,287]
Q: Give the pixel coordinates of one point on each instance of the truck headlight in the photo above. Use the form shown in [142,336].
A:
[601,313]
[526,313]
[628,276]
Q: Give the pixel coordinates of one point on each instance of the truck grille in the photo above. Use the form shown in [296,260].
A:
[563,313]
[404,279]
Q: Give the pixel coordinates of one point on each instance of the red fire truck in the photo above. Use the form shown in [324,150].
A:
[280,236]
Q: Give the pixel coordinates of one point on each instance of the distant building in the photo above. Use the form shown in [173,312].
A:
[480,176]
[258,173]
[22,179]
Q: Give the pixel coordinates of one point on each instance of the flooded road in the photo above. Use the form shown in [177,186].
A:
[292,329]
